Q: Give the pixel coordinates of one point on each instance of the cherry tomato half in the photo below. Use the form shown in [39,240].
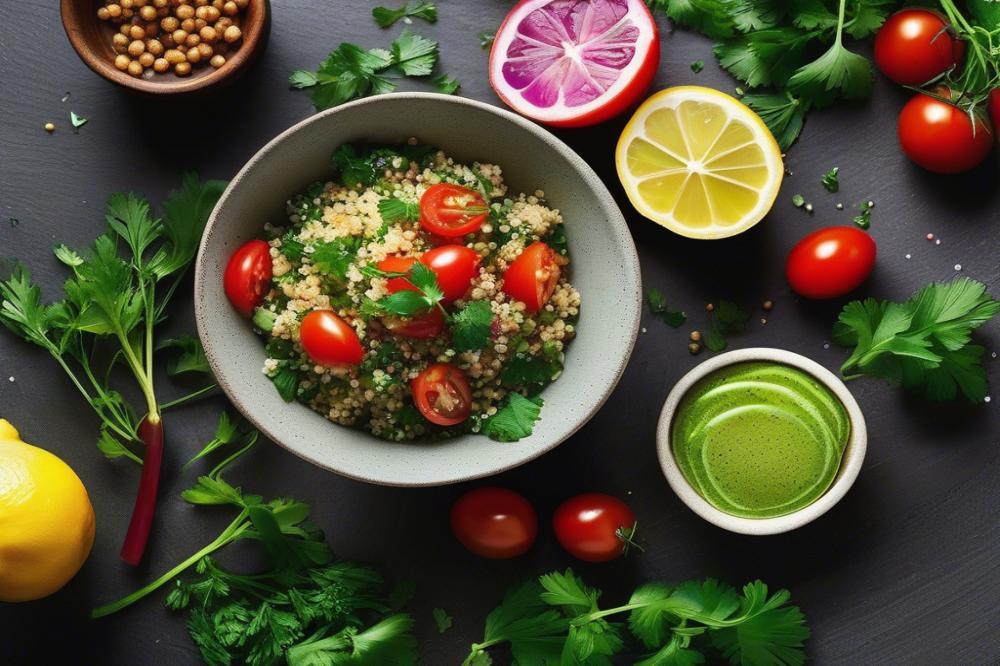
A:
[398,265]
[533,276]
[454,266]
[830,262]
[451,210]
[594,527]
[329,340]
[442,394]
[494,522]
[939,136]
[421,326]
[915,45]
[248,276]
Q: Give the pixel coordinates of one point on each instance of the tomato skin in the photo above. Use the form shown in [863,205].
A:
[442,394]
[494,522]
[533,276]
[329,340]
[830,262]
[398,265]
[939,137]
[587,526]
[247,277]
[915,45]
[994,107]
[418,327]
[439,217]
[455,266]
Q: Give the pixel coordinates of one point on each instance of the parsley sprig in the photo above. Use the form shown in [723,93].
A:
[924,343]
[558,619]
[386,17]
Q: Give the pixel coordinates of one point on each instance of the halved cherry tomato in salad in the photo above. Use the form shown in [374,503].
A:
[940,137]
[451,210]
[455,266]
[329,340]
[398,265]
[442,394]
[915,45]
[247,278]
[594,527]
[533,276]
[420,327]
[494,522]
[830,262]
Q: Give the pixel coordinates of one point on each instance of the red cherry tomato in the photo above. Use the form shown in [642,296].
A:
[398,265]
[594,527]
[454,266]
[494,522]
[420,327]
[533,276]
[451,210]
[915,45]
[940,137]
[248,276]
[830,262]
[329,340]
[995,111]
[442,394]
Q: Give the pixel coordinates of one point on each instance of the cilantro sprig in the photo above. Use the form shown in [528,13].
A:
[923,344]
[727,318]
[657,303]
[386,17]
[558,619]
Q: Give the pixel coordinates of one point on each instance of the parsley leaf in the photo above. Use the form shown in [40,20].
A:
[924,343]
[697,66]
[192,356]
[446,84]
[764,631]
[349,72]
[831,180]
[394,209]
[385,17]
[515,420]
[864,218]
[471,326]
[77,121]
[658,307]
[486,39]
[727,319]
[533,371]
[414,55]
[442,620]
[334,257]
[784,115]
[838,73]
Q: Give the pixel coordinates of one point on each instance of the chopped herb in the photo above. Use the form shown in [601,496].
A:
[192,356]
[486,39]
[831,180]
[658,307]
[286,380]
[291,246]
[442,620]
[263,319]
[360,165]
[533,371]
[727,318]
[864,218]
[407,303]
[515,420]
[697,66]
[394,209]
[13,221]
[924,343]
[471,326]
[77,121]
[334,257]
[385,17]
[445,84]
[798,200]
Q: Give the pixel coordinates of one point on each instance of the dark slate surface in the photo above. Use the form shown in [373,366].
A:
[906,570]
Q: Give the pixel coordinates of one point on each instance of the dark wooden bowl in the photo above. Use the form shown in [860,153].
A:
[91,37]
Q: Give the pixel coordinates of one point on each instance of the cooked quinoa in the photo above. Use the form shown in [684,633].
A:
[326,256]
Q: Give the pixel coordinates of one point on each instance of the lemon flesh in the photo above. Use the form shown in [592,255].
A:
[699,163]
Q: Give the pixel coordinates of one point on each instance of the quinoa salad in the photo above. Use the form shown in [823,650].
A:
[414,296]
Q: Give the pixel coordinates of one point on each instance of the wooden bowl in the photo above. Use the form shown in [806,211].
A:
[91,37]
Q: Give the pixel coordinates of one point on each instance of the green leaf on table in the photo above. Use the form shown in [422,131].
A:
[657,303]
[838,73]
[191,358]
[831,180]
[77,121]
[414,55]
[766,631]
[385,17]
[446,84]
[185,214]
[783,114]
[442,620]
[727,318]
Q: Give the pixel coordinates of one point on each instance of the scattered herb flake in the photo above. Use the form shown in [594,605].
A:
[831,180]
[442,620]
[13,221]
[471,326]
[658,307]
[697,66]
[864,218]
[385,17]
[445,84]
[77,121]
[727,319]
[486,39]
[798,200]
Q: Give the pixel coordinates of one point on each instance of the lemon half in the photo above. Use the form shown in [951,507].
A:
[699,163]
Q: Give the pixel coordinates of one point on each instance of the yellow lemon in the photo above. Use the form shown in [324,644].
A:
[699,163]
[46,520]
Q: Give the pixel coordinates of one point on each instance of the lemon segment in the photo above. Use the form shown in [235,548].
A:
[699,163]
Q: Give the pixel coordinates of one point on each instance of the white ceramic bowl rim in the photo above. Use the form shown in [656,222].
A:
[850,466]
[530,448]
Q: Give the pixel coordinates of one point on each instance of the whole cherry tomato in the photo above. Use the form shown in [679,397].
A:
[329,340]
[940,137]
[247,278]
[533,276]
[594,527]
[494,522]
[451,210]
[442,394]
[915,45]
[455,266]
[830,262]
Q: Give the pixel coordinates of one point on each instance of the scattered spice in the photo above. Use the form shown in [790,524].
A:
[77,121]
[694,348]
[831,180]
[49,127]
[697,66]
[808,208]
[767,305]
[930,237]
[695,336]
[798,200]
[13,222]
[840,206]
[709,307]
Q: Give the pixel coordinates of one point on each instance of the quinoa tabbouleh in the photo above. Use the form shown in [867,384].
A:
[414,297]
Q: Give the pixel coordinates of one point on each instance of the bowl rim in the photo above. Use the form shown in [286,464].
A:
[850,467]
[631,272]
[254,38]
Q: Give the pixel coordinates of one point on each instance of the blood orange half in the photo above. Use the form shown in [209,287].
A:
[570,63]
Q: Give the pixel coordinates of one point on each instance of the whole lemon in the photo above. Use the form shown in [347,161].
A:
[46,520]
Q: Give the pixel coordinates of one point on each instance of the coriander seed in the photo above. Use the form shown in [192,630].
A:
[148,13]
[155,47]
[49,127]
[103,13]
[114,10]
[193,55]
[188,25]
[709,307]
[206,51]
[169,24]
[230,8]
[184,12]
[694,348]
[767,305]
[208,34]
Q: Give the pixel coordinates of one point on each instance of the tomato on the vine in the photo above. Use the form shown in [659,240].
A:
[940,136]
[533,276]
[329,340]
[442,394]
[494,522]
[915,45]
[248,276]
[594,527]
[451,210]
[830,262]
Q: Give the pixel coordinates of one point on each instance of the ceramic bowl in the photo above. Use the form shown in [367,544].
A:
[854,454]
[605,270]
[91,38]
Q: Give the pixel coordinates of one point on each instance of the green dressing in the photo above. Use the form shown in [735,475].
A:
[760,439]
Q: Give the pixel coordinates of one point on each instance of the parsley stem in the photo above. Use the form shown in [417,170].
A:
[230,534]
[200,393]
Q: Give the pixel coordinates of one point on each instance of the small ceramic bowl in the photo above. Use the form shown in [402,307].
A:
[854,454]
[605,270]
[91,38]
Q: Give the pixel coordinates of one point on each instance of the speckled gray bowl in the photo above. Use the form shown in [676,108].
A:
[605,270]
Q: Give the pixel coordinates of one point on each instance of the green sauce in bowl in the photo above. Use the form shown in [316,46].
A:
[760,439]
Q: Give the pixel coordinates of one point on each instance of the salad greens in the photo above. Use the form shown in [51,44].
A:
[558,620]
[924,343]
